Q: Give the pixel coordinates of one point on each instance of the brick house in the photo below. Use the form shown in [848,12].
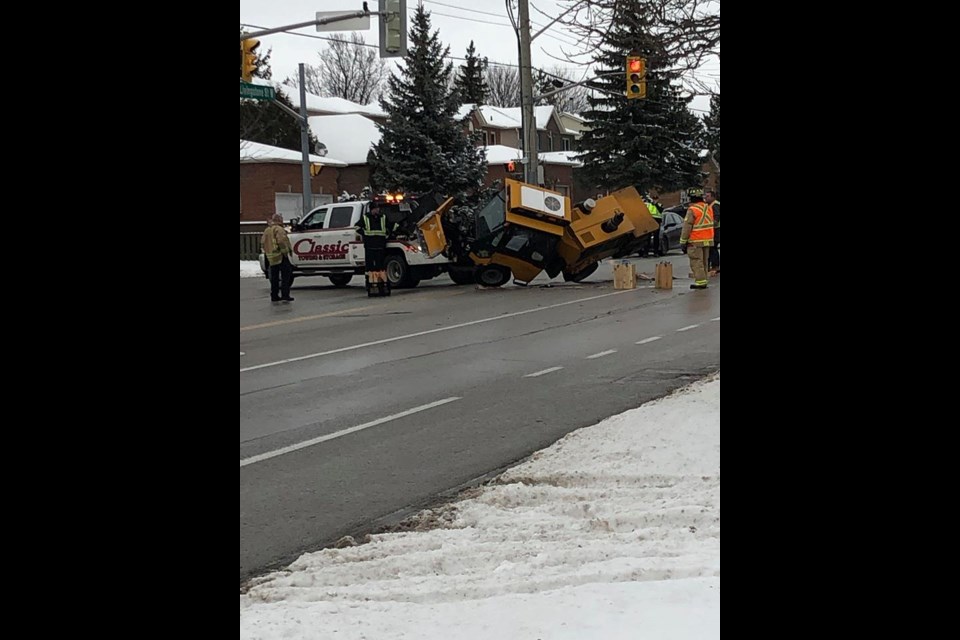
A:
[271,181]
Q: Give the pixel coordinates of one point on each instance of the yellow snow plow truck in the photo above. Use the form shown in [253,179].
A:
[524,229]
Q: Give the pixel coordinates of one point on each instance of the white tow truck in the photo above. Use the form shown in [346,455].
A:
[326,243]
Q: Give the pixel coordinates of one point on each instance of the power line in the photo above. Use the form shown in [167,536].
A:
[453,6]
[373,46]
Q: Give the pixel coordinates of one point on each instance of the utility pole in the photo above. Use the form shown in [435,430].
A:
[305,145]
[529,122]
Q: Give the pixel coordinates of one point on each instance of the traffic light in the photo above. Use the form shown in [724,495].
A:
[510,167]
[248,58]
[636,77]
[393,28]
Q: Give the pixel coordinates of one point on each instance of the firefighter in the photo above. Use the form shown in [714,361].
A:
[373,228]
[276,248]
[697,237]
[710,197]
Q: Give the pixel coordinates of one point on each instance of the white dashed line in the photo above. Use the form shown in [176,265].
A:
[242,353]
[647,340]
[601,354]
[693,326]
[717,319]
[542,373]
[339,434]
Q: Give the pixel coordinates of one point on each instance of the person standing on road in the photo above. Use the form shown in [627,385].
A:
[710,197]
[276,248]
[656,212]
[697,237]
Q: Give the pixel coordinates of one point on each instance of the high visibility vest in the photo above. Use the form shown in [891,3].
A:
[374,231]
[702,224]
[652,208]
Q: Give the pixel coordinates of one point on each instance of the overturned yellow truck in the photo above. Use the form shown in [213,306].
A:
[524,229]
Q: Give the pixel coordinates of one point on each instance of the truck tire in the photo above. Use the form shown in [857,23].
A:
[462,276]
[340,279]
[399,273]
[492,275]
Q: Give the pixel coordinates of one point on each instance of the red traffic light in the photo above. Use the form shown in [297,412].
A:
[635,65]
[511,166]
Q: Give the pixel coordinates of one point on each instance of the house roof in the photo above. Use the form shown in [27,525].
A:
[500,154]
[317,105]
[512,117]
[251,152]
[347,137]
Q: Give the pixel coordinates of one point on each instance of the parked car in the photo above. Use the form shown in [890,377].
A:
[670,229]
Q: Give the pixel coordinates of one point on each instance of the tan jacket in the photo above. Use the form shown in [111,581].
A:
[275,243]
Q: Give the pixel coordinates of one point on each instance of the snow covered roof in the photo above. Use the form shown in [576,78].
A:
[317,105]
[499,117]
[465,111]
[512,117]
[500,154]
[348,137]
[256,152]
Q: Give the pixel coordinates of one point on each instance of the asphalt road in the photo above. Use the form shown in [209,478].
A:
[356,411]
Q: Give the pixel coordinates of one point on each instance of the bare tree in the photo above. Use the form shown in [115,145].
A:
[504,85]
[348,69]
[570,101]
[688,31]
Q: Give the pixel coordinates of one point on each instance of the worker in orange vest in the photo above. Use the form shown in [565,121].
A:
[697,237]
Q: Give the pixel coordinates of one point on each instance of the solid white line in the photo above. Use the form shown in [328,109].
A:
[544,372]
[717,319]
[693,326]
[425,333]
[338,434]
[601,354]
[646,340]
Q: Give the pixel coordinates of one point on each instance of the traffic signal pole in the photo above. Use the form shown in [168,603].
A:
[317,22]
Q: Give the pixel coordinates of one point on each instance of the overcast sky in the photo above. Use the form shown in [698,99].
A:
[459,22]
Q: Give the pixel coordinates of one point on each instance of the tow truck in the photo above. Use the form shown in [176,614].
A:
[325,243]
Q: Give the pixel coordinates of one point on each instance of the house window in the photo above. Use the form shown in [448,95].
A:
[566,144]
[491,137]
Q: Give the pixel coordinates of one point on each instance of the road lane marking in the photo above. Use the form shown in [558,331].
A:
[692,326]
[242,353]
[331,314]
[339,434]
[542,373]
[717,319]
[601,354]
[648,340]
[432,331]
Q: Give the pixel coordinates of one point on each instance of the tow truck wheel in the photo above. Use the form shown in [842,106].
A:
[340,279]
[399,273]
[493,275]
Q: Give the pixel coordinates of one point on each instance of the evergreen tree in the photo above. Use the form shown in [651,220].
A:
[649,143]
[266,123]
[470,81]
[711,125]
[423,148]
